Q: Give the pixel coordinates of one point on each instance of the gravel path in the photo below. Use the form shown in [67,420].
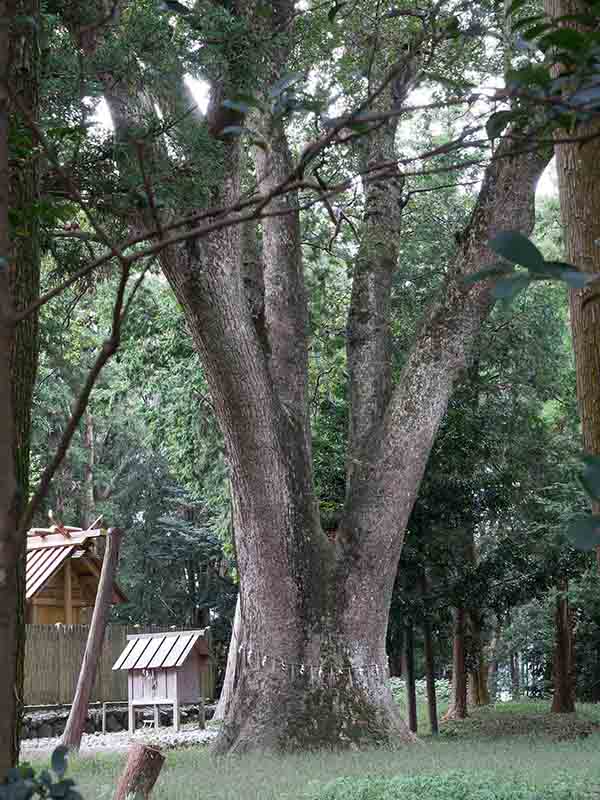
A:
[117,742]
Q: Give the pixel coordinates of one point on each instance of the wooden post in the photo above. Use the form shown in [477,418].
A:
[131,724]
[176,704]
[231,668]
[201,715]
[68,592]
[104,717]
[91,657]
[156,717]
[143,767]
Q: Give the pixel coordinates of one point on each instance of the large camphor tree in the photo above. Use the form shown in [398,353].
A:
[306,598]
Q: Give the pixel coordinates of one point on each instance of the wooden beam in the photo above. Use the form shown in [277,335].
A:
[58,603]
[68,585]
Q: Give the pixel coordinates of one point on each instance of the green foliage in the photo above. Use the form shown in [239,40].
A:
[561,97]
[449,786]
[443,689]
[27,783]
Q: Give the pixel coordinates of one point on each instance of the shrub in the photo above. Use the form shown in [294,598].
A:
[443,689]
[451,786]
[23,783]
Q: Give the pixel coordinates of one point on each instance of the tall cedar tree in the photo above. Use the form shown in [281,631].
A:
[19,285]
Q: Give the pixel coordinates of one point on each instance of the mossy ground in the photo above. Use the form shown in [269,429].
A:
[520,742]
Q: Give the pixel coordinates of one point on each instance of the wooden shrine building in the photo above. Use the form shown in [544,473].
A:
[62,575]
[166,668]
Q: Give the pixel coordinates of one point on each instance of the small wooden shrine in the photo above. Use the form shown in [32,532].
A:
[165,669]
[62,575]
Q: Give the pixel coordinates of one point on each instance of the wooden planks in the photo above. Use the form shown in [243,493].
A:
[53,658]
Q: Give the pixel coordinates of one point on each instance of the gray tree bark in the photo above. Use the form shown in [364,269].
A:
[307,601]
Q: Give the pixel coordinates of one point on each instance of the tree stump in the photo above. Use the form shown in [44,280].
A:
[142,769]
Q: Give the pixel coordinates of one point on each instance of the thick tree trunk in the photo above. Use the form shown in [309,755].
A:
[9,549]
[141,772]
[230,670]
[331,607]
[73,732]
[19,284]
[578,168]
[458,700]
[563,700]
[408,671]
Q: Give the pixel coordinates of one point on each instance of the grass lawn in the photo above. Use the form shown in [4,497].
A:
[512,742]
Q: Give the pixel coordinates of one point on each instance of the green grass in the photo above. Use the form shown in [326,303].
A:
[525,750]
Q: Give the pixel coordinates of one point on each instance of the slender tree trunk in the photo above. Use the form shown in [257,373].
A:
[478,677]
[87,674]
[430,675]
[458,701]
[563,700]
[493,664]
[515,677]
[231,668]
[89,505]
[408,670]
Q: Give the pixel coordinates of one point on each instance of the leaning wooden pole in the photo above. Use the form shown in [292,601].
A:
[76,722]
[143,767]
[231,668]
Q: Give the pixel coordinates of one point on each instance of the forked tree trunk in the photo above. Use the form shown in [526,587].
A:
[458,700]
[141,772]
[563,700]
[315,611]
[93,647]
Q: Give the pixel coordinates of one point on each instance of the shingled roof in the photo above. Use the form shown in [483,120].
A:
[161,650]
[49,548]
